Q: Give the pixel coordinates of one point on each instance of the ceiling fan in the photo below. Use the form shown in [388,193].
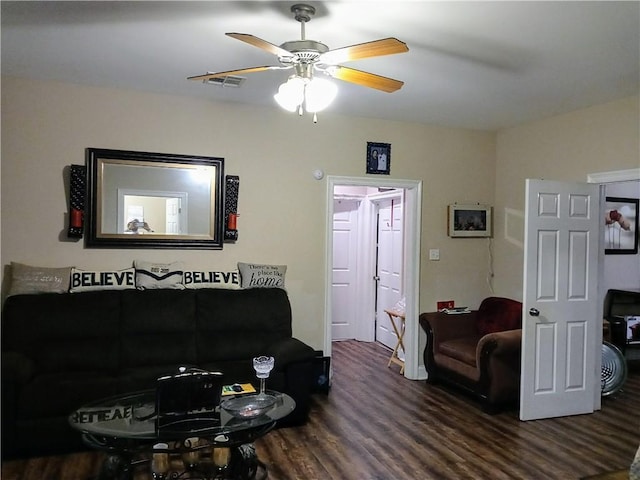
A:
[308,57]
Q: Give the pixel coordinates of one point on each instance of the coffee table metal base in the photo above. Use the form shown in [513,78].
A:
[243,465]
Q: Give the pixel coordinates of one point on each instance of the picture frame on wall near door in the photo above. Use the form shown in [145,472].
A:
[378,158]
[469,221]
[621,226]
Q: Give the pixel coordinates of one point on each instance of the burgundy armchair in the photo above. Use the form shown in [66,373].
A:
[478,352]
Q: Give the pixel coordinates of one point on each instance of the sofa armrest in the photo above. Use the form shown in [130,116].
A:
[290,350]
[17,368]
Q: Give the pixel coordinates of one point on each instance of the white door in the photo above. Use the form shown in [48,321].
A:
[560,345]
[390,260]
[173,215]
[344,288]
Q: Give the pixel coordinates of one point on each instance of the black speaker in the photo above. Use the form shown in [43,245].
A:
[321,373]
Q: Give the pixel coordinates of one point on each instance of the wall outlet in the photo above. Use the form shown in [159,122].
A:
[445,304]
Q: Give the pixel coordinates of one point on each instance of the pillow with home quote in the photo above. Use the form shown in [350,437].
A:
[261,276]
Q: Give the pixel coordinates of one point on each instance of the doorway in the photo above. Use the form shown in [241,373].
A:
[356,320]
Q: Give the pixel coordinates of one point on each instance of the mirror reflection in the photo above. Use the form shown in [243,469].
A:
[149,200]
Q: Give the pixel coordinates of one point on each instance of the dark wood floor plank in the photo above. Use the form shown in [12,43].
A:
[377,425]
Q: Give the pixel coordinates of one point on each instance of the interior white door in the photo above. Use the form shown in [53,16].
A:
[344,288]
[173,215]
[560,306]
[389,271]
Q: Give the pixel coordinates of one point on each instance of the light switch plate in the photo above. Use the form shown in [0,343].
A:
[434,254]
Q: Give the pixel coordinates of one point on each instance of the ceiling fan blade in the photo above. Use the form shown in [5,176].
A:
[365,79]
[376,48]
[242,71]
[260,43]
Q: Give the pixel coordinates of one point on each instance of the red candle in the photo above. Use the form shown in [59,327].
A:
[231,223]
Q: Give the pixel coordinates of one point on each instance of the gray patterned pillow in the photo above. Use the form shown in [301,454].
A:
[29,279]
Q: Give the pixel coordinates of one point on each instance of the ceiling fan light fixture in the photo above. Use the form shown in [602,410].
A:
[290,94]
[319,94]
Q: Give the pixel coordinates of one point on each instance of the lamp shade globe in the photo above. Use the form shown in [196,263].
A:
[290,94]
[319,94]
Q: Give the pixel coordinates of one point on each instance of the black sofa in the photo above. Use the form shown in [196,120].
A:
[60,351]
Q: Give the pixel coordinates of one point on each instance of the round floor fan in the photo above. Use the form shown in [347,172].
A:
[614,369]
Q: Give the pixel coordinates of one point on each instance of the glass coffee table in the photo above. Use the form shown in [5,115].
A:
[208,444]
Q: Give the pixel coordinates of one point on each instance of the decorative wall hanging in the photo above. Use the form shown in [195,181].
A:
[378,158]
[77,194]
[154,200]
[469,220]
[621,226]
[231,208]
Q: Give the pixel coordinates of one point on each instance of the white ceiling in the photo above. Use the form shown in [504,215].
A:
[480,65]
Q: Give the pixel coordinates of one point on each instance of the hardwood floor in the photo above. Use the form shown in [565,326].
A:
[376,425]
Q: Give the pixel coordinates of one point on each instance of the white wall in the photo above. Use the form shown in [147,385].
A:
[622,272]
[47,126]
[568,147]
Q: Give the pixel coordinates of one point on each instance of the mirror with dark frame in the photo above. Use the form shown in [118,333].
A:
[154,200]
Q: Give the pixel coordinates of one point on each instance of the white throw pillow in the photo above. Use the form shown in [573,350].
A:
[211,279]
[262,276]
[159,275]
[88,280]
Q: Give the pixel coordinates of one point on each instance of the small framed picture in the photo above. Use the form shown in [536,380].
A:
[621,226]
[378,158]
[469,221]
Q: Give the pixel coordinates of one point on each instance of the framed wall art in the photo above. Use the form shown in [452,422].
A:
[378,158]
[621,226]
[469,221]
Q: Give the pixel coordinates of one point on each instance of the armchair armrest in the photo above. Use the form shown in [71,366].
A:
[290,350]
[17,368]
[502,343]
[446,327]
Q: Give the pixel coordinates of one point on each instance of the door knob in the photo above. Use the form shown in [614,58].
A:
[534,312]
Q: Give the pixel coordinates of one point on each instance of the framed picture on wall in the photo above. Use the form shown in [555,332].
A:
[378,158]
[621,226]
[469,221]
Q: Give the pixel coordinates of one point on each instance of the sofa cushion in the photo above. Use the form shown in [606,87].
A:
[463,349]
[161,320]
[72,390]
[498,314]
[240,324]
[69,332]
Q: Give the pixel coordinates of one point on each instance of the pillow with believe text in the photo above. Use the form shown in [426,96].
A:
[211,279]
[89,280]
